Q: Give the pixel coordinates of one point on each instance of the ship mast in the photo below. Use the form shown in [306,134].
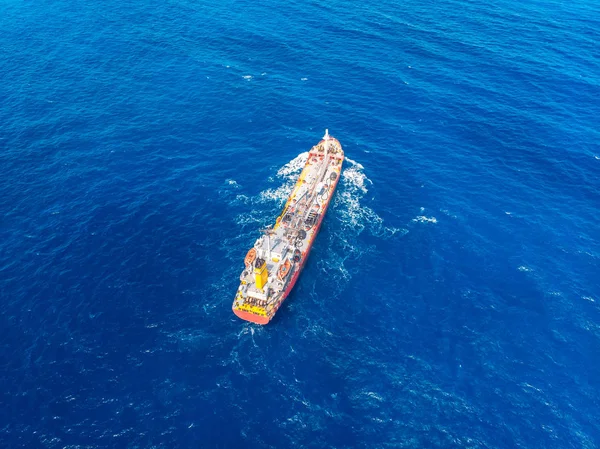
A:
[269,245]
[323,168]
[267,232]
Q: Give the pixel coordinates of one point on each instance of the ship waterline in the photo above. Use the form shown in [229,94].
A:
[274,263]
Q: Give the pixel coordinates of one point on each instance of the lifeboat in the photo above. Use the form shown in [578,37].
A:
[284,270]
[249,259]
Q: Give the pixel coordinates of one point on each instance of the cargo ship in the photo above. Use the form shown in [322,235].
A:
[273,264]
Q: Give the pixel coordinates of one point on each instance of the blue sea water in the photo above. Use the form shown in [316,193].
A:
[451,300]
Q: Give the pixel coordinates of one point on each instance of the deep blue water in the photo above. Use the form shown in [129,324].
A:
[451,300]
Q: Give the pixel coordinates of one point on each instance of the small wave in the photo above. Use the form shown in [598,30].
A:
[424,219]
[356,177]
[596,157]
[255,218]
[526,385]
[588,298]
[228,191]
[334,265]
[354,163]
[279,194]
[524,268]
[448,213]
[247,77]
[242,199]
[293,167]
[374,395]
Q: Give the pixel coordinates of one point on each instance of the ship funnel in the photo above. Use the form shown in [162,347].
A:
[261,274]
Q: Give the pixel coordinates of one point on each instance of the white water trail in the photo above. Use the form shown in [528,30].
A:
[348,215]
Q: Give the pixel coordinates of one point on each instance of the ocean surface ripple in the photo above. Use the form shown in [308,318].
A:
[451,300]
